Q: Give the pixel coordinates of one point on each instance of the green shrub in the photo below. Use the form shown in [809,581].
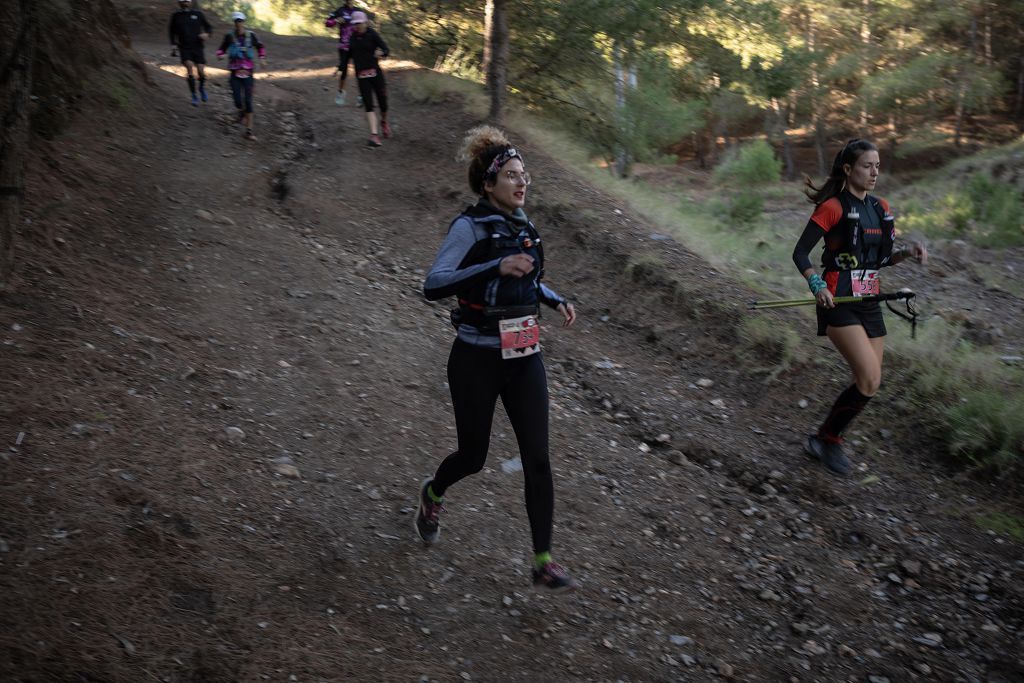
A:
[745,209]
[754,163]
[769,346]
[998,210]
[987,428]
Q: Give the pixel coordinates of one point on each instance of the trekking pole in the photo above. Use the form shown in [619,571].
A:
[903,295]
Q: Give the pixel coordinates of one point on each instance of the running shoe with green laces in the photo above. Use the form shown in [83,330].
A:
[552,578]
[828,453]
[428,524]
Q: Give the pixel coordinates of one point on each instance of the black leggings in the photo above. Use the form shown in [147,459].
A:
[477,377]
[241,89]
[369,86]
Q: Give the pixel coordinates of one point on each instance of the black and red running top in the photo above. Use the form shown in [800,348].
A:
[858,234]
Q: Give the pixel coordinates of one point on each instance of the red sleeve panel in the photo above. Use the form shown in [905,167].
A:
[828,214]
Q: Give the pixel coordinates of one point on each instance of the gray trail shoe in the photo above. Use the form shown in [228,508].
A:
[829,454]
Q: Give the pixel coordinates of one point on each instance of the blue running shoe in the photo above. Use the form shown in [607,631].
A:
[195,100]
[202,94]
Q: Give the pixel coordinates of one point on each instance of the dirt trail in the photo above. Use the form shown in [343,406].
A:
[144,538]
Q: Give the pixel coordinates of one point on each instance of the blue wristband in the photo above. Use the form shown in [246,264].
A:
[816,284]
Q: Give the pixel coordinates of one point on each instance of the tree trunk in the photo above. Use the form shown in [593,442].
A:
[1018,109]
[865,40]
[621,164]
[485,65]
[17,48]
[961,95]
[497,65]
[817,101]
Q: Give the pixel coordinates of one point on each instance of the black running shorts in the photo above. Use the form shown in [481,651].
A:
[192,54]
[867,315]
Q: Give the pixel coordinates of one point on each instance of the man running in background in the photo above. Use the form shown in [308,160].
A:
[188,31]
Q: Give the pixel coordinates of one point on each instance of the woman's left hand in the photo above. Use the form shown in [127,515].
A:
[919,252]
[568,313]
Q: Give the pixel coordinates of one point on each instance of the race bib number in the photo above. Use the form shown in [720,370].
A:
[865,282]
[520,337]
[242,73]
[366,73]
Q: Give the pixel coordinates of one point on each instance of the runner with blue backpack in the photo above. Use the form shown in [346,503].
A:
[242,46]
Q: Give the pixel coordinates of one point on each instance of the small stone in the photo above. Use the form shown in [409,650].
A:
[644,448]
[677,457]
[724,669]
[799,628]
[768,595]
[845,651]
[718,403]
[680,640]
[812,648]
[287,470]
[929,639]
[224,220]
[512,465]
[205,215]
[923,668]
[803,403]
[894,578]
[507,601]
[663,438]
[373,494]
[687,660]
[234,435]
[705,383]
[877,679]
[911,567]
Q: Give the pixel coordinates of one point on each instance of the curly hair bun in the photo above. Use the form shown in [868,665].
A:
[481,138]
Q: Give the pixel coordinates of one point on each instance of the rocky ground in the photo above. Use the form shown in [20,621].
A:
[222,387]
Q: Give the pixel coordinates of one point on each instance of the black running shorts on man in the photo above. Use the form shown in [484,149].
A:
[192,54]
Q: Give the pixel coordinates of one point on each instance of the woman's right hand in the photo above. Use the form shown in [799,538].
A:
[824,298]
[516,265]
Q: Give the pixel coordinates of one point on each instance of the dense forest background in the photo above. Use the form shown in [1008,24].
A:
[641,80]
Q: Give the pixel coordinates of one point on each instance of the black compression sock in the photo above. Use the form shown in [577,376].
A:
[847,406]
[192,84]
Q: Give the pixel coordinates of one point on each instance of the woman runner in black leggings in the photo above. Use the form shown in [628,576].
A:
[493,261]
[365,45]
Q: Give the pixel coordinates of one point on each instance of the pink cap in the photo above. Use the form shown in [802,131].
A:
[357,18]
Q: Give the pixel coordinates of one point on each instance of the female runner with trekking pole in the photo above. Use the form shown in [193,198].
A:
[492,259]
[859,233]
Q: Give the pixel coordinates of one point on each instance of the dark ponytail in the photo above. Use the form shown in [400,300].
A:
[836,180]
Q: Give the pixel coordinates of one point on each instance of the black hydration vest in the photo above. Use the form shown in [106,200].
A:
[485,304]
[855,253]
